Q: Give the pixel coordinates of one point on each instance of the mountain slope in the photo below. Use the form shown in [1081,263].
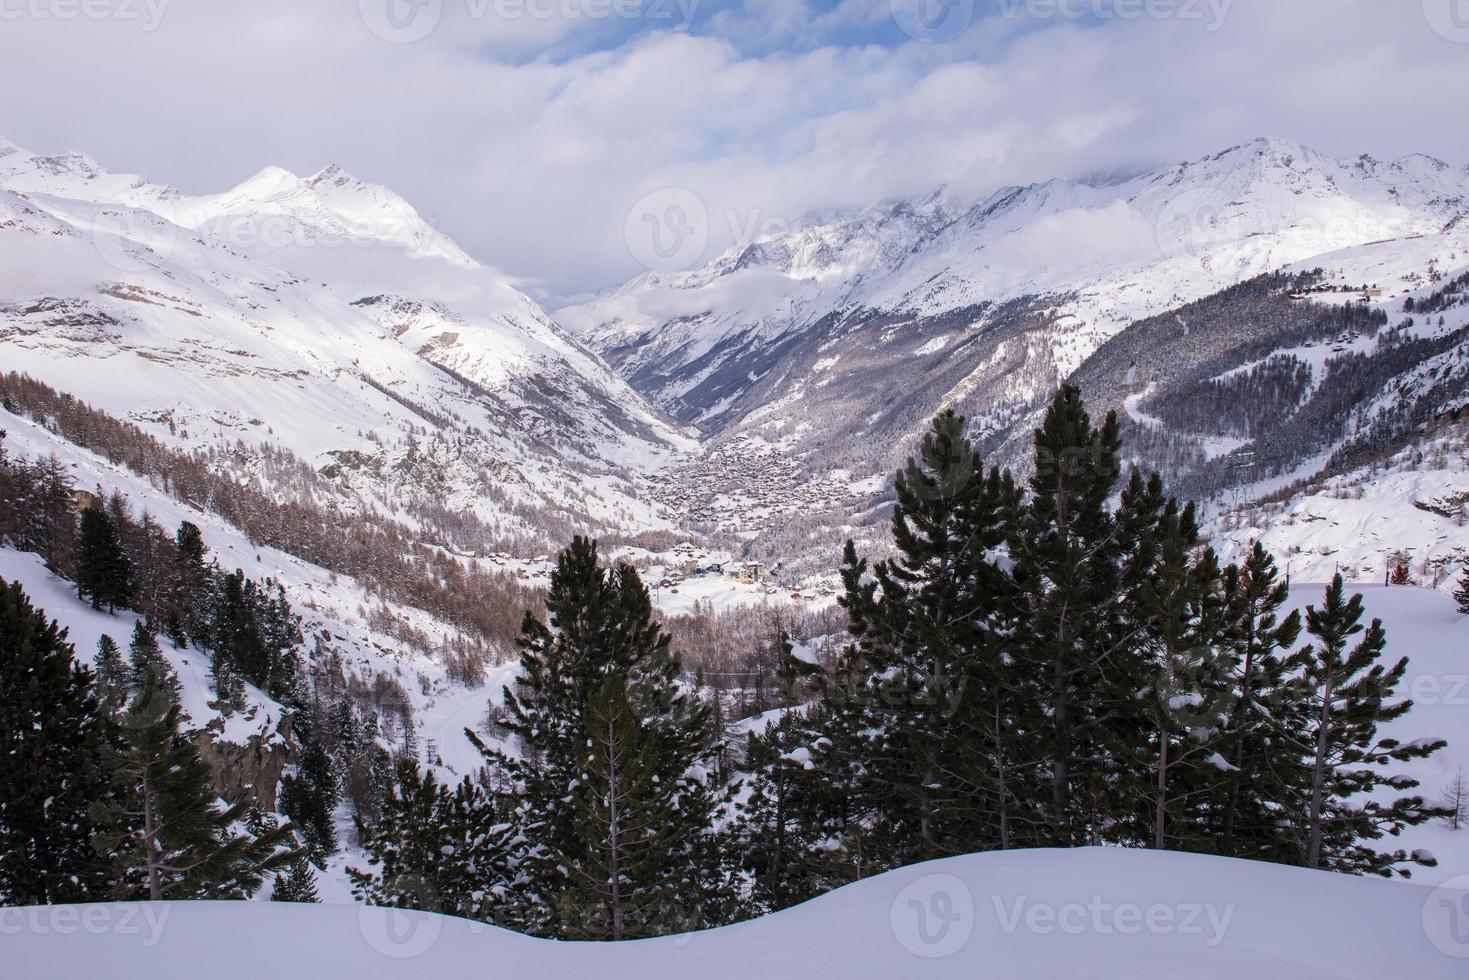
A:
[323,315]
[831,346]
[1098,254]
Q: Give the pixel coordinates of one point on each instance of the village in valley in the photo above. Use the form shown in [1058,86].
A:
[748,485]
[689,577]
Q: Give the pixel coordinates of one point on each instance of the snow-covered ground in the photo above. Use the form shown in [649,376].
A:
[1424,626]
[1094,913]
[1354,523]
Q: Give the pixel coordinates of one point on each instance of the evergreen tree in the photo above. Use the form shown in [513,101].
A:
[435,850]
[253,633]
[229,687]
[785,817]
[1068,552]
[1258,769]
[1343,695]
[173,628]
[1461,595]
[148,668]
[163,830]
[296,884]
[601,626]
[191,602]
[103,572]
[54,737]
[635,872]
[49,526]
[1188,700]
[924,661]
[113,677]
[310,794]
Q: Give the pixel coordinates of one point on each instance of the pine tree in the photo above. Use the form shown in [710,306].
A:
[103,572]
[310,794]
[1245,819]
[601,626]
[1069,553]
[113,677]
[924,660]
[191,599]
[253,633]
[785,816]
[229,687]
[435,850]
[54,737]
[163,830]
[1461,595]
[50,524]
[296,884]
[1185,705]
[1343,695]
[148,666]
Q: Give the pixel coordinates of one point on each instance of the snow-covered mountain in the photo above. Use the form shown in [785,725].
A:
[323,315]
[719,345]
[831,346]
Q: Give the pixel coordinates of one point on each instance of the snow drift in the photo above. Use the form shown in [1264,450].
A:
[1075,914]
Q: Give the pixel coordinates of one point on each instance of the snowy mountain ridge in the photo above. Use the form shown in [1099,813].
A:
[322,314]
[830,347]
[1107,250]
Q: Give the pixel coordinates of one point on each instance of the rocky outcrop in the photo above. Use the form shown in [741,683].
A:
[254,768]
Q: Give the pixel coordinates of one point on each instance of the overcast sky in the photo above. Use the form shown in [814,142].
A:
[528,130]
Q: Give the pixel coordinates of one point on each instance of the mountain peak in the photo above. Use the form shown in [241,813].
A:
[271,181]
[333,174]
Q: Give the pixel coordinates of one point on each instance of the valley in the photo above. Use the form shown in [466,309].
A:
[347,405]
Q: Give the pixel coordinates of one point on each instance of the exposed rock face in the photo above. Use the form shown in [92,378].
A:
[252,768]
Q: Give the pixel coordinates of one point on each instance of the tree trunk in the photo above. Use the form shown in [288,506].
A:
[1160,803]
[1318,779]
[614,837]
[150,842]
[1003,791]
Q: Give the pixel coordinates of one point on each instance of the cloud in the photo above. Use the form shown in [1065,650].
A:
[528,138]
[1078,237]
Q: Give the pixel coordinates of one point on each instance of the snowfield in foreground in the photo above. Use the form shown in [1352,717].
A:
[1022,914]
